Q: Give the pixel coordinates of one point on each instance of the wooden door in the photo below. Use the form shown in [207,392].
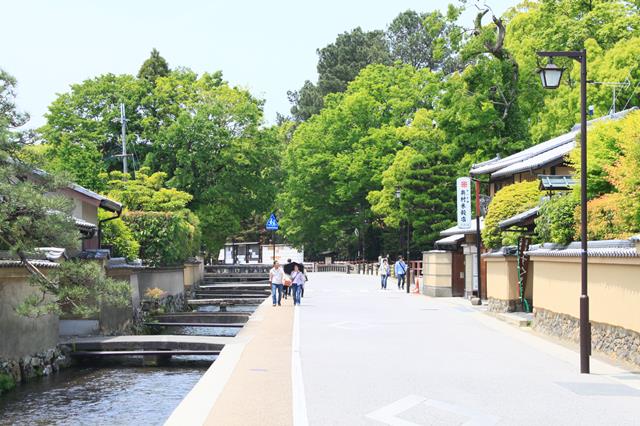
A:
[457,275]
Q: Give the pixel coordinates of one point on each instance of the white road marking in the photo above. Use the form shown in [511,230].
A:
[297,381]
[388,413]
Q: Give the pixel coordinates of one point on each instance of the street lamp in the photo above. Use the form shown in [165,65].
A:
[550,76]
[407,277]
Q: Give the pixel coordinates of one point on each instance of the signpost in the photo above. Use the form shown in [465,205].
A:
[463,186]
[272,225]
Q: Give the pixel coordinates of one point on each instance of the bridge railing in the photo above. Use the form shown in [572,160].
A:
[335,267]
[249,268]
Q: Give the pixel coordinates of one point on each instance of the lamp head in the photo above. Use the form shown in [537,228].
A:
[550,75]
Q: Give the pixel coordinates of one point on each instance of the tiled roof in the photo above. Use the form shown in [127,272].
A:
[520,217]
[36,263]
[546,158]
[455,230]
[83,225]
[450,240]
[605,248]
[538,155]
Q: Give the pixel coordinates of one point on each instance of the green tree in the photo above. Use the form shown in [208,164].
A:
[84,125]
[555,222]
[155,66]
[428,40]
[32,216]
[338,64]
[215,149]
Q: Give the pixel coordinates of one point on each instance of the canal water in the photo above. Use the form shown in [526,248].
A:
[119,392]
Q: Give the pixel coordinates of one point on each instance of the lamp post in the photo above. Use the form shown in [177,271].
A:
[407,277]
[550,76]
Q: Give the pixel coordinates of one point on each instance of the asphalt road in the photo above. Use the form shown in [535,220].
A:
[371,357]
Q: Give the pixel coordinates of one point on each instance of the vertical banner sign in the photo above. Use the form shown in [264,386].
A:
[463,186]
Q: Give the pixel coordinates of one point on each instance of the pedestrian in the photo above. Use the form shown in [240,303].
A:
[400,268]
[385,271]
[276,278]
[297,278]
[287,278]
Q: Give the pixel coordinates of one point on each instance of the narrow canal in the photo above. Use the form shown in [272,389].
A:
[115,393]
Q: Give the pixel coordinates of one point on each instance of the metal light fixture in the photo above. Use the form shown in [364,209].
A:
[551,75]
[398,193]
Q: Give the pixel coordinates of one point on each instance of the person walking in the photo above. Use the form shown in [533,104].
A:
[385,271]
[276,278]
[297,279]
[400,268]
[287,278]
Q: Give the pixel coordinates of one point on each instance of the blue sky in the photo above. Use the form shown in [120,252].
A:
[267,47]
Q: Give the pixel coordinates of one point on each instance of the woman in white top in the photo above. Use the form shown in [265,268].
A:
[385,271]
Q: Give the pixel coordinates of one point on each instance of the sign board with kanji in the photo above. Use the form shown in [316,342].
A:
[272,223]
[463,186]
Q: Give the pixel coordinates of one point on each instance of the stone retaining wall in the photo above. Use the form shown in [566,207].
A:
[40,364]
[500,305]
[616,342]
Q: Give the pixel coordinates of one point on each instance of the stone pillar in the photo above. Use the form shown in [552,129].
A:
[470,266]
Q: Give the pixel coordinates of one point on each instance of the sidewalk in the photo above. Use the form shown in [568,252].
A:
[259,390]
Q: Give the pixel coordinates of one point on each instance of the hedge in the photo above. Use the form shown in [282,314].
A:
[166,238]
[508,202]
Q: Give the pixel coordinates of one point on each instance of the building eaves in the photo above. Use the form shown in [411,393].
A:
[19,264]
[455,230]
[495,165]
[604,248]
[554,155]
[520,218]
[450,241]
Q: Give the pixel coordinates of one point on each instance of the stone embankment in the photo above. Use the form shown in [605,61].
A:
[616,342]
[37,365]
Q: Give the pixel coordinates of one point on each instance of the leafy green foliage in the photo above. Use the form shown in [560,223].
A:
[165,238]
[625,173]
[508,202]
[154,67]
[555,222]
[78,288]
[606,218]
[6,383]
[29,216]
[426,40]
[146,192]
[338,64]
[83,127]
[117,235]
[423,179]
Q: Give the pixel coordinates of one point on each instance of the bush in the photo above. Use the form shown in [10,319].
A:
[556,221]
[509,201]
[116,233]
[6,383]
[606,218]
[166,238]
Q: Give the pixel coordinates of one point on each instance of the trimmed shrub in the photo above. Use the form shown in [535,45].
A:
[166,238]
[606,218]
[556,221]
[116,233]
[509,201]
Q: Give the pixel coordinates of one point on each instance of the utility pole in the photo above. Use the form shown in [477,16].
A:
[123,120]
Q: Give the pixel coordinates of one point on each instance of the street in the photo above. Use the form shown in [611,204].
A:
[371,357]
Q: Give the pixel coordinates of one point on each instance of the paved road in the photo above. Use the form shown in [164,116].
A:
[371,357]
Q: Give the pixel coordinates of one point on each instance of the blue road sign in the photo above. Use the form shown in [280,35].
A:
[272,223]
